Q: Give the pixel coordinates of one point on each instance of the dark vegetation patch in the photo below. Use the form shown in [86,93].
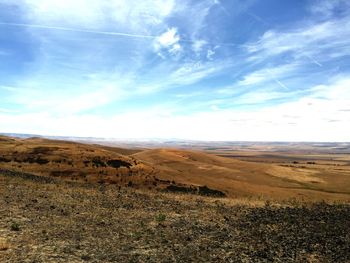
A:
[98,162]
[199,190]
[181,189]
[38,160]
[41,161]
[118,163]
[62,173]
[5,159]
[24,159]
[204,190]
[43,150]
[27,176]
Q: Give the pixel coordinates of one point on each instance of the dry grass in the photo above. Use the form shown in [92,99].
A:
[275,176]
[52,209]
[4,245]
[77,222]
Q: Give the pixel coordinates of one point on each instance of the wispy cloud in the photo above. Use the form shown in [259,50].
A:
[128,15]
[324,40]
[326,8]
[184,74]
[190,73]
[264,75]
[292,121]
[198,45]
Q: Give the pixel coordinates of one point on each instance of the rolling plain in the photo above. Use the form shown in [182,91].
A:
[64,201]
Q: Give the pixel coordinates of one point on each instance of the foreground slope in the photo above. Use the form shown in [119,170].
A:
[47,220]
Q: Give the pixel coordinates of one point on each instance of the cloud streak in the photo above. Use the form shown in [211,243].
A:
[109,33]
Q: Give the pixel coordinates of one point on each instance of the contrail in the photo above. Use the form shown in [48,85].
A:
[280,83]
[217,2]
[110,33]
[258,18]
[276,80]
[314,61]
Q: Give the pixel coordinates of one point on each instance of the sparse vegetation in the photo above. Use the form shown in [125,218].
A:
[168,206]
[97,162]
[160,217]
[15,227]
[78,222]
[180,171]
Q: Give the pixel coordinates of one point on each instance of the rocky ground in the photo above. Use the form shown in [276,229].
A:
[45,220]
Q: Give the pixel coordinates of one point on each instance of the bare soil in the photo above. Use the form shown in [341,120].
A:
[52,220]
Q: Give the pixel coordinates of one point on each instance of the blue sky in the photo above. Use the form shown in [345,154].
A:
[204,70]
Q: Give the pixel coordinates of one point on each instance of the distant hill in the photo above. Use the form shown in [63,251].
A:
[175,170]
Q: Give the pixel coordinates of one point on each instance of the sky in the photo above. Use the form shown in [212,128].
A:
[252,70]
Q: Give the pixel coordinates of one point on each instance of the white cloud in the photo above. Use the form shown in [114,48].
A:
[214,108]
[210,54]
[212,125]
[308,119]
[141,15]
[197,45]
[175,49]
[55,103]
[7,110]
[168,40]
[124,14]
[96,91]
[86,13]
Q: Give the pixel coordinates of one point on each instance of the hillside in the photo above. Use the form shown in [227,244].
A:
[63,201]
[174,170]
